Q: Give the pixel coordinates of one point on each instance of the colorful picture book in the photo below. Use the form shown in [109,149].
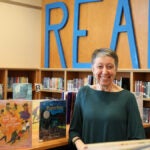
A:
[52,123]
[22,91]
[15,124]
[35,111]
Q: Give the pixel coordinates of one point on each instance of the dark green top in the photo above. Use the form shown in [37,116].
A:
[101,116]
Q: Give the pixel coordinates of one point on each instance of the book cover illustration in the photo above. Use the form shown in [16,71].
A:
[52,120]
[15,124]
[22,91]
[35,111]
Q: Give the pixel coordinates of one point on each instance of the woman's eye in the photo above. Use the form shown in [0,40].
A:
[100,67]
[109,67]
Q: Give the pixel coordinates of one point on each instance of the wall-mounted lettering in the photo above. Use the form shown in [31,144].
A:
[78,33]
[123,8]
[55,28]
[148,35]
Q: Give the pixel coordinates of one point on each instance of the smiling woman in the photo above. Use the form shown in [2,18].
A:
[104,112]
[104,67]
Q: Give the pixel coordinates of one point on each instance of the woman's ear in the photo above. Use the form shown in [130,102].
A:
[92,69]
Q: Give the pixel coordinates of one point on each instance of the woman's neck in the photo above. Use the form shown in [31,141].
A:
[108,88]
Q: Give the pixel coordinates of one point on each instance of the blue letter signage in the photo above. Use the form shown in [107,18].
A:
[78,33]
[123,6]
[56,29]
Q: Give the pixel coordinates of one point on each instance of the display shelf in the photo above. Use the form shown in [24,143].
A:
[146,125]
[5,73]
[3,80]
[36,75]
[52,73]
[77,78]
[37,145]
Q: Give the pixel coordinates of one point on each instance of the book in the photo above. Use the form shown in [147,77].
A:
[90,79]
[121,145]
[139,99]
[125,83]
[15,124]
[36,111]
[1,91]
[70,101]
[53,83]
[52,123]
[17,79]
[146,114]
[22,91]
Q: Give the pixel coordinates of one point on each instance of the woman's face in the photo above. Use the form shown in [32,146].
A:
[104,70]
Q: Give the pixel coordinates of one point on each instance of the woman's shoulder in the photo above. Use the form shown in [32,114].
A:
[85,87]
[117,88]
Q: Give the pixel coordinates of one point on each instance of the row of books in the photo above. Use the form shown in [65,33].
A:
[18,79]
[76,83]
[144,87]
[53,83]
[146,115]
[16,121]
[72,85]
[124,82]
[53,115]
[19,91]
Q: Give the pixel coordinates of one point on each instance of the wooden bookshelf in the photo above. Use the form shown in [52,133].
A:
[5,73]
[36,145]
[36,75]
[146,125]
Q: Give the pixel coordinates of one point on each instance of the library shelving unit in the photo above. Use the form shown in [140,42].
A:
[52,73]
[5,73]
[70,74]
[65,74]
[36,75]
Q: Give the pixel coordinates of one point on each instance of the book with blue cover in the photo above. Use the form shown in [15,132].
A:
[22,91]
[52,123]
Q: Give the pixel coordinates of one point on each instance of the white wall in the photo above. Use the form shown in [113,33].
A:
[20,34]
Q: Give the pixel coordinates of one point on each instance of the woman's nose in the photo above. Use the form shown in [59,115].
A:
[104,70]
